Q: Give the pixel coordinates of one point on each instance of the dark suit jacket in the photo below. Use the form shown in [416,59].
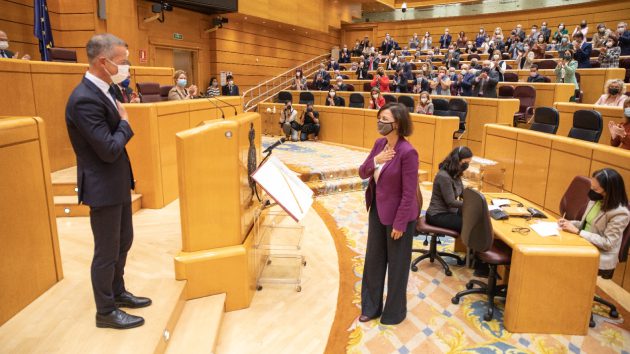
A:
[226,91]
[490,90]
[334,66]
[9,54]
[364,73]
[583,55]
[124,97]
[98,137]
[467,84]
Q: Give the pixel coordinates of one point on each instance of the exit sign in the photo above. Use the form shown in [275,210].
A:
[178,36]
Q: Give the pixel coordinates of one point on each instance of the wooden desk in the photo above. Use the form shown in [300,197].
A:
[551,279]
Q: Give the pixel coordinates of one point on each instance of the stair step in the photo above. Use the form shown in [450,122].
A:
[337,185]
[423,176]
[67,206]
[197,329]
[329,174]
[65,189]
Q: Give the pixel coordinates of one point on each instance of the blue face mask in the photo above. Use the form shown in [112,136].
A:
[182,82]
[626,112]
[125,82]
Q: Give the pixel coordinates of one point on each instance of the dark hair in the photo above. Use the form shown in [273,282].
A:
[229,77]
[451,162]
[612,183]
[613,38]
[400,112]
[579,35]
[212,79]
[534,66]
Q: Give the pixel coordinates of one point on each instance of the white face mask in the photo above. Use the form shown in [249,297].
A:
[375,96]
[495,57]
[423,100]
[231,83]
[609,44]
[464,72]
[121,75]
[4,45]
[332,93]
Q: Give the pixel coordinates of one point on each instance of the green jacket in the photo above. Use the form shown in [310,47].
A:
[569,73]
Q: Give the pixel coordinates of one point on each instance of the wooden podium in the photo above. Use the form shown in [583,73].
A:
[218,206]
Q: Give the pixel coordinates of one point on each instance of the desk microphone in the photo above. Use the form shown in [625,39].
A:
[274,145]
[231,105]
[217,106]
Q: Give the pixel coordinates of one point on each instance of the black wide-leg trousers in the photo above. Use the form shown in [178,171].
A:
[386,255]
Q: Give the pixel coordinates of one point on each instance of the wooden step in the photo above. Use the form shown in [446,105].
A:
[198,327]
[67,206]
[65,189]
[423,176]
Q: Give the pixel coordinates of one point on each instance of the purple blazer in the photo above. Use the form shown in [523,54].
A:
[397,184]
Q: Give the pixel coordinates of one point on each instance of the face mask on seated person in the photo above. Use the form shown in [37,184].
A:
[594,196]
[4,45]
[423,100]
[613,91]
[125,83]
[375,96]
[626,112]
[182,82]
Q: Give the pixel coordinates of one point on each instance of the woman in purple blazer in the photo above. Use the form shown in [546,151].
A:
[392,168]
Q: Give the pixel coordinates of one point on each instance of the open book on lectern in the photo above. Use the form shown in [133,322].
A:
[283,186]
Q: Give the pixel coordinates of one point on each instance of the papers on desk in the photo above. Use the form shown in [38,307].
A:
[546,228]
[500,202]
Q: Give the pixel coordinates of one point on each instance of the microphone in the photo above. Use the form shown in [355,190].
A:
[217,106]
[233,106]
[274,145]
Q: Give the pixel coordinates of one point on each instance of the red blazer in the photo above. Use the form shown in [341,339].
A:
[383,83]
[397,184]
[380,101]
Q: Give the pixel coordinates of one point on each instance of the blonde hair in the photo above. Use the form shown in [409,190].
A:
[178,73]
[614,81]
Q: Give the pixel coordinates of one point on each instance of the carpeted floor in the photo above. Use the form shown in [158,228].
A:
[433,323]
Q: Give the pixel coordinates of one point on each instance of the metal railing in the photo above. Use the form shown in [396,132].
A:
[269,89]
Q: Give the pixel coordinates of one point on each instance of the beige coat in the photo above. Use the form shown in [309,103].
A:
[608,228]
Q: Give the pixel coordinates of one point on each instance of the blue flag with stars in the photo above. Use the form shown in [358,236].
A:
[42,29]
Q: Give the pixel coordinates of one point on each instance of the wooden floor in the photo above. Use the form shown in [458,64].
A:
[280,319]
[62,319]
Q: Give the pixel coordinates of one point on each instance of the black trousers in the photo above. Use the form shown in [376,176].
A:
[383,254]
[451,221]
[113,235]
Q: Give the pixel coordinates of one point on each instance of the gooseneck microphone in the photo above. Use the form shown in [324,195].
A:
[274,145]
[217,106]
[231,105]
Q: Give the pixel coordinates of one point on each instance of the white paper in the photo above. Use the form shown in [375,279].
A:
[284,186]
[500,202]
[483,161]
[546,228]
[493,207]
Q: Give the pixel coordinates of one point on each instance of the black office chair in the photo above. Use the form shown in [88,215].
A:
[407,101]
[510,77]
[477,235]
[587,125]
[440,106]
[284,96]
[306,98]
[546,120]
[389,98]
[459,107]
[356,100]
[342,102]
[506,92]
[422,228]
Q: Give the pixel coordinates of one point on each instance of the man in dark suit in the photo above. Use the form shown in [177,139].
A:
[322,79]
[99,129]
[485,84]
[230,89]
[4,48]
[583,51]
[467,81]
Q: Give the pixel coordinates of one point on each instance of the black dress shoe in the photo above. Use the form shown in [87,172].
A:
[127,299]
[118,319]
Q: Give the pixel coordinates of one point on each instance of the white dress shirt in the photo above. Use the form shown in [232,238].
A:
[102,85]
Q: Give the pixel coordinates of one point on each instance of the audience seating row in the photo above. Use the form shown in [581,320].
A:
[432,135]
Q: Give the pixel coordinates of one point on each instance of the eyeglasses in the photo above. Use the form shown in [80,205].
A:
[521,230]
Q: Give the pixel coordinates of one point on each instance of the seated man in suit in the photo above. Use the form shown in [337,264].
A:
[230,89]
[340,86]
[583,50]
[98,128]
[485,84]
[322,79]
[333,65]
[4,48]
[534,76]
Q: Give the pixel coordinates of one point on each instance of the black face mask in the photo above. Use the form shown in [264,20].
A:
[583,25]
[463,167]
[613,91]
[594,196]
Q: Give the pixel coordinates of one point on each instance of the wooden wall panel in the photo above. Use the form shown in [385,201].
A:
[29,256]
